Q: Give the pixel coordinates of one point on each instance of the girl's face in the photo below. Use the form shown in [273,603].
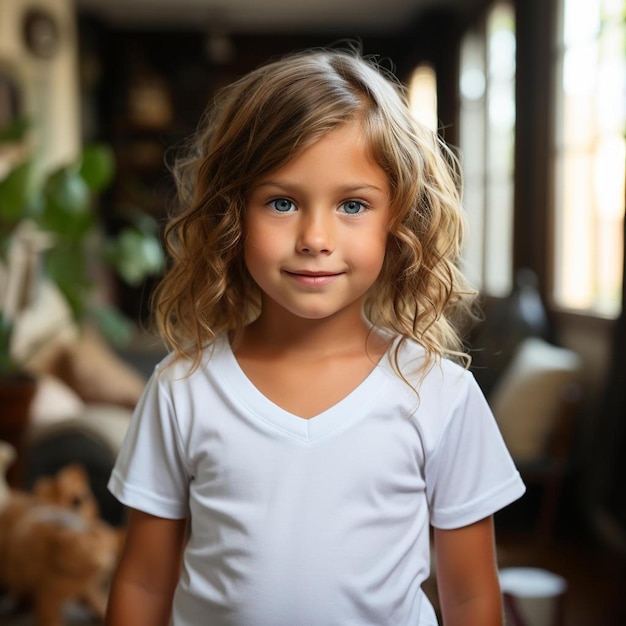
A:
[317,228]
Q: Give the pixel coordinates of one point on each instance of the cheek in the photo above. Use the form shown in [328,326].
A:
[367,260]
[261,245]
[372,249]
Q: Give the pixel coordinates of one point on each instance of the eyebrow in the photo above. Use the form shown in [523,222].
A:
[290,187]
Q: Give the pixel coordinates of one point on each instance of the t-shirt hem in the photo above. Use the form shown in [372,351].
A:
[135,498]
[507,493]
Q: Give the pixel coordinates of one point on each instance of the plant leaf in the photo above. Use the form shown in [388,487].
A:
[16,190]
[68,204]
[67,267]
[15,130]
[135,255]
[97,166]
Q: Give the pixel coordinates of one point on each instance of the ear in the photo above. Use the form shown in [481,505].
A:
[44,489]
[73,473]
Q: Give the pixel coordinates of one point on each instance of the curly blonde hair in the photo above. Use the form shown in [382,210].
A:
[256,126]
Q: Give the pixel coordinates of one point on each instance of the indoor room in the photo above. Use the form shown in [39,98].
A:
[98,101]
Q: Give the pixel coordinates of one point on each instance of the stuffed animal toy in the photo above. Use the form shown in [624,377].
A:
[54,549]
[70,489]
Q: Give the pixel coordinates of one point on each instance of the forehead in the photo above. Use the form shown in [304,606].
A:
[343,153]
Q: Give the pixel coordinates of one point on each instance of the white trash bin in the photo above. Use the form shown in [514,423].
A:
[532,596]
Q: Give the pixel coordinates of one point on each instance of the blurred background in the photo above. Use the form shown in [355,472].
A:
[531,94]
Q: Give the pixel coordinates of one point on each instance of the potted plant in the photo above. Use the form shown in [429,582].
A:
[50,232]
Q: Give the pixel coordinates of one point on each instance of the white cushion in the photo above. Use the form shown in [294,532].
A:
[54,401]
[45,325]
[527,400]
[106,423]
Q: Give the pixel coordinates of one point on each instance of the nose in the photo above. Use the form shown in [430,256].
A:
[316,234]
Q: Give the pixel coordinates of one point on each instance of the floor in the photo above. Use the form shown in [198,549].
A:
[595,577]
[594,570]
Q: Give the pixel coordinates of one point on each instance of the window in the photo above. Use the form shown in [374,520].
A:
[487,129]
[423,95]
[590,155]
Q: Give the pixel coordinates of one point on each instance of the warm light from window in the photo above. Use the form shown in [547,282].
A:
[487,139]
[423,95]
[590,156]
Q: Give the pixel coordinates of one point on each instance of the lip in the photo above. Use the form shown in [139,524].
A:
[313,279]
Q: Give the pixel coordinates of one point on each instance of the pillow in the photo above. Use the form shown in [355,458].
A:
[97,374]
[43,329]
[54,401]
[105,423]
[527,400]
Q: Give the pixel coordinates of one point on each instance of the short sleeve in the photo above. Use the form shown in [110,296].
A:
[470,474]
[150,473]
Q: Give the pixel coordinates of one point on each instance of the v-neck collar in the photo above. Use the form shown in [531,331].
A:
[339,416]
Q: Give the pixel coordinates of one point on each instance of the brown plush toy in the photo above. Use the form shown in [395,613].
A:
[70,489]
[54,549]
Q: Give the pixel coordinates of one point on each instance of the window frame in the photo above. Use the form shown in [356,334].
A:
[556,161]
[481,183]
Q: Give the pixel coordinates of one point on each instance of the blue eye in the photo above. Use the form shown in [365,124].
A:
[353,207]
[282,205]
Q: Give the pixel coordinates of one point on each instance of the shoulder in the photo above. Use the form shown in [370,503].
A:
[180,393]
[436,393]
[437,375]
[172,368]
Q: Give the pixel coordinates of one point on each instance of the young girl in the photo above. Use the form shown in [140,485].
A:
[288,458]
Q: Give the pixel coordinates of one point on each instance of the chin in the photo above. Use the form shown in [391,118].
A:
[318,313]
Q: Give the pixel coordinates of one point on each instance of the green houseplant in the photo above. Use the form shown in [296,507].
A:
[52,215]
[50,232]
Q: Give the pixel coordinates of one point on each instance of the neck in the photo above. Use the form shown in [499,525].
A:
[318,337]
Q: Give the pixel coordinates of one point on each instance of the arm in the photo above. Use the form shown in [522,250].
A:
[467,575]
[148,571]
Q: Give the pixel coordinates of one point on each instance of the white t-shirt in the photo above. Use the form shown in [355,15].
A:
[312,522]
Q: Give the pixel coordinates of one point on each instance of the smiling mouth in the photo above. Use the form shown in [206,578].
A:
[313,279]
